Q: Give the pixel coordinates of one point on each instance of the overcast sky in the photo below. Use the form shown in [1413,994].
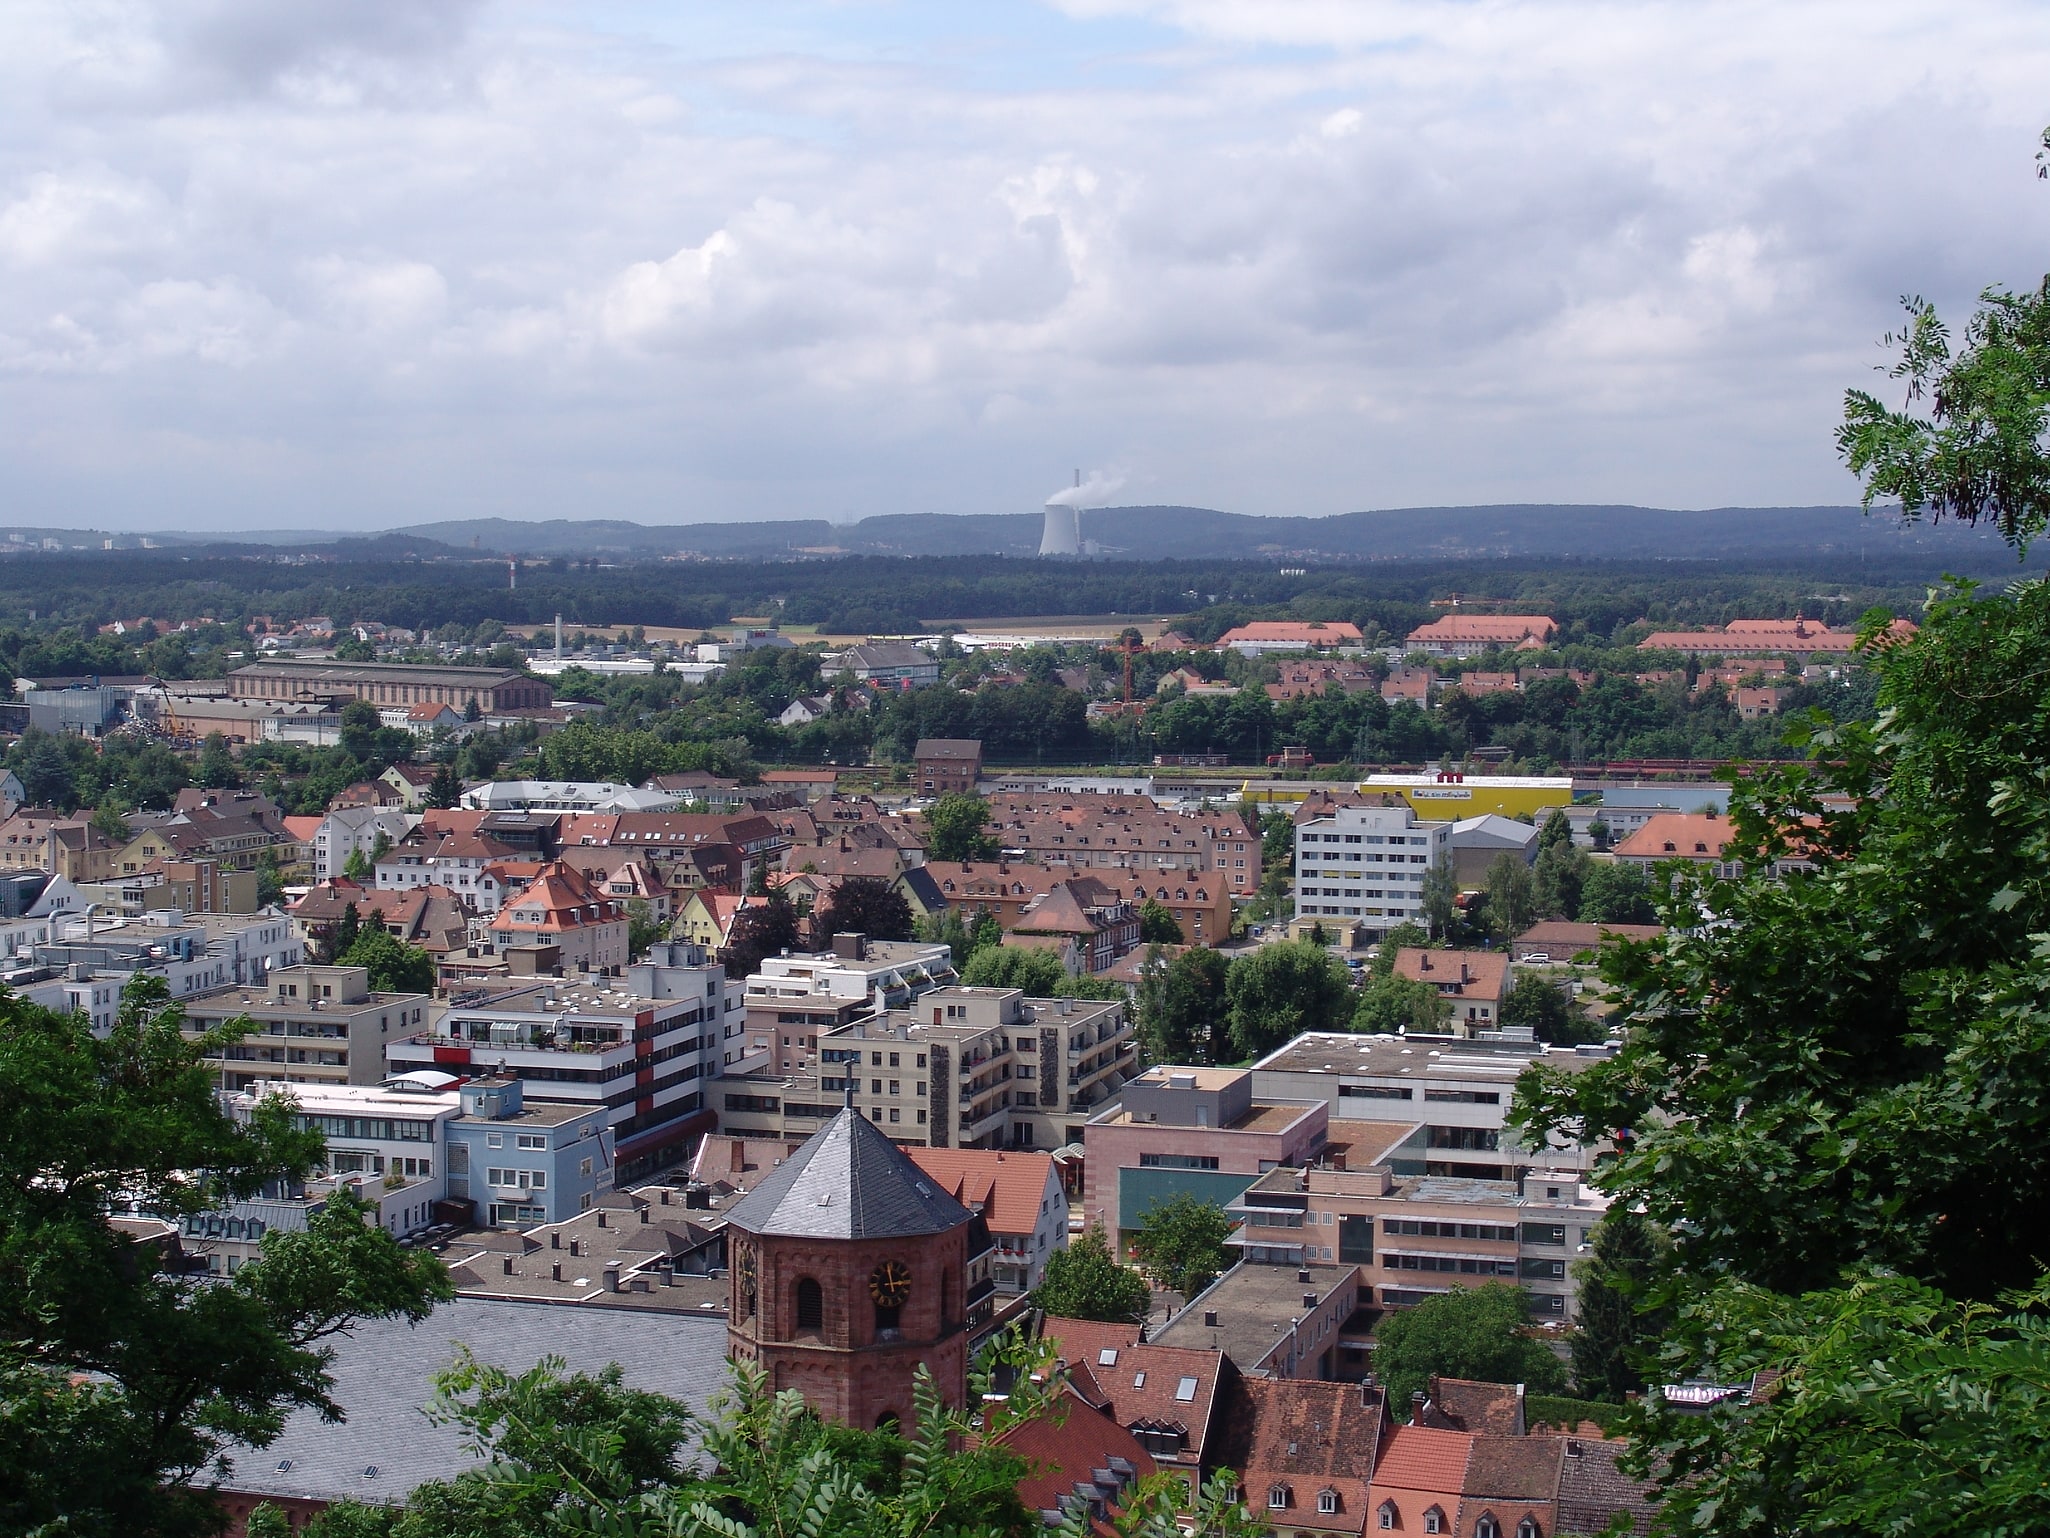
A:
[362,263]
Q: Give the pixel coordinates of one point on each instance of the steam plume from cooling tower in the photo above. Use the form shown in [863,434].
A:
[1062,534]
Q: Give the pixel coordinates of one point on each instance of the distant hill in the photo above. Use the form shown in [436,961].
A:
[1526,530]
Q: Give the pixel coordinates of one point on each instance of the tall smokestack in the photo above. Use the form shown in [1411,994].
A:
[512,573]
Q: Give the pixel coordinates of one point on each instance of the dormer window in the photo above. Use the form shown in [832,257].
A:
[1327,1503]
[1277,1497]
[1390,1518]
[1487,1527]
[1528,1528]
[1434,1521]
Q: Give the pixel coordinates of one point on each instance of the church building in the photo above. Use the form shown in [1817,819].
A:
[848,1268]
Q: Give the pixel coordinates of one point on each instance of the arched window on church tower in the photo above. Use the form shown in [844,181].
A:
[811,1305]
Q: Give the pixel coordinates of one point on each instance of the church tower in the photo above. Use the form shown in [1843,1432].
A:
[846,1270]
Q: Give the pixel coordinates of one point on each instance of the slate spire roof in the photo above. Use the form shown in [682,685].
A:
[848,1182]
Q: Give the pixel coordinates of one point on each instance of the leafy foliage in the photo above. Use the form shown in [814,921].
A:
[1279,991]
[1616,893]
[1158,925]
[1391,1005]
[1181,1008]
[1481,1333]
[395,967]
[1614,1284]
[766,928]
[1983,452]
[1085,1281]
[120,1381]
[867,905]
[1180,1243]
[954,829]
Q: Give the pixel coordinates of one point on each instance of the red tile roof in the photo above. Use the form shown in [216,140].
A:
[1067,1449]
[1005,1187]
[1310,1440]
[1143,1382]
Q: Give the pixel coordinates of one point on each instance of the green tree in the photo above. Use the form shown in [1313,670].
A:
[1181,1010]
[1480,1333]
[44,770]
[270,883]
[1039,973]
[347,929]
[984,933]
[1557,833]
[1438,894]
[1611,1335]
[1543,1007]
[867,905]
[1391,1005]
[217,763]
[395,967]
[358,868]
[1404,935]
[1158,925]
[1558,880]
[1511,895]
[1616,893]
[109,820]
[445,790]
[763,929]
[1180,1243]
[954,827]
[354,650]
[643,929]
[1277,992]
[1085,1281]
[360,725]
[120,1382]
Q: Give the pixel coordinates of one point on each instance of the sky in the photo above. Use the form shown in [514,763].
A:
[358,264]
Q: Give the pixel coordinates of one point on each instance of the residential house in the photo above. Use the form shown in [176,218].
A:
[1020,1199]
[636,1049]
[1081,1466]
[351,830]
[558,910]
[1304,1450]
[1100,926]
[946,766]
[1474,983]
[1367,863]
[1168,1397]
[411,781]
[463,862]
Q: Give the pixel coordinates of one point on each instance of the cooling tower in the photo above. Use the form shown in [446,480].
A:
[1063,533]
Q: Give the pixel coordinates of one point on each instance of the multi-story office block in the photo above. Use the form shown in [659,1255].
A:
[634,1049]
[308,1025]
[1366,865]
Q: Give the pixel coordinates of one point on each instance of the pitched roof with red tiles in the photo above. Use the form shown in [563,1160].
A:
[447,819]
[1462,974]
[1510,1479]
[1311,1443]
[1419,1468]
[1502,629]
[303,830]
[1467,1405]
[1678,836]
[1301,632]
[1065,1451]
[1143,1383]
[1593,1490]
[1005,1186]
[565,900]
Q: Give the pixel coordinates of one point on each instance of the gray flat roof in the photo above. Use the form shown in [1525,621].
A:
[1338,1052]
[384,1371]
[1255,1307]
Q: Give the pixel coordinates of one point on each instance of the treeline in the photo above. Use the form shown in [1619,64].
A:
[881,594]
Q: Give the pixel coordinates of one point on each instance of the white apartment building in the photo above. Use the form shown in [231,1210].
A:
[386,1144]
[349,829]
[84,961]
[793,999]
[1366,865]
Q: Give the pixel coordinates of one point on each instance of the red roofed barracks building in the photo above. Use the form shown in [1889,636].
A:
[490,689]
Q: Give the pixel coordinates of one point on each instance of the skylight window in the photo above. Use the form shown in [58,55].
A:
[1185,1391]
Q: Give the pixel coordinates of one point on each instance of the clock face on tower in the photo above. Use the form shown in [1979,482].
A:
[890,1284]
[747,1271]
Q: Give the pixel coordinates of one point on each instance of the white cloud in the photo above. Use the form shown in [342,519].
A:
[1280,255]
